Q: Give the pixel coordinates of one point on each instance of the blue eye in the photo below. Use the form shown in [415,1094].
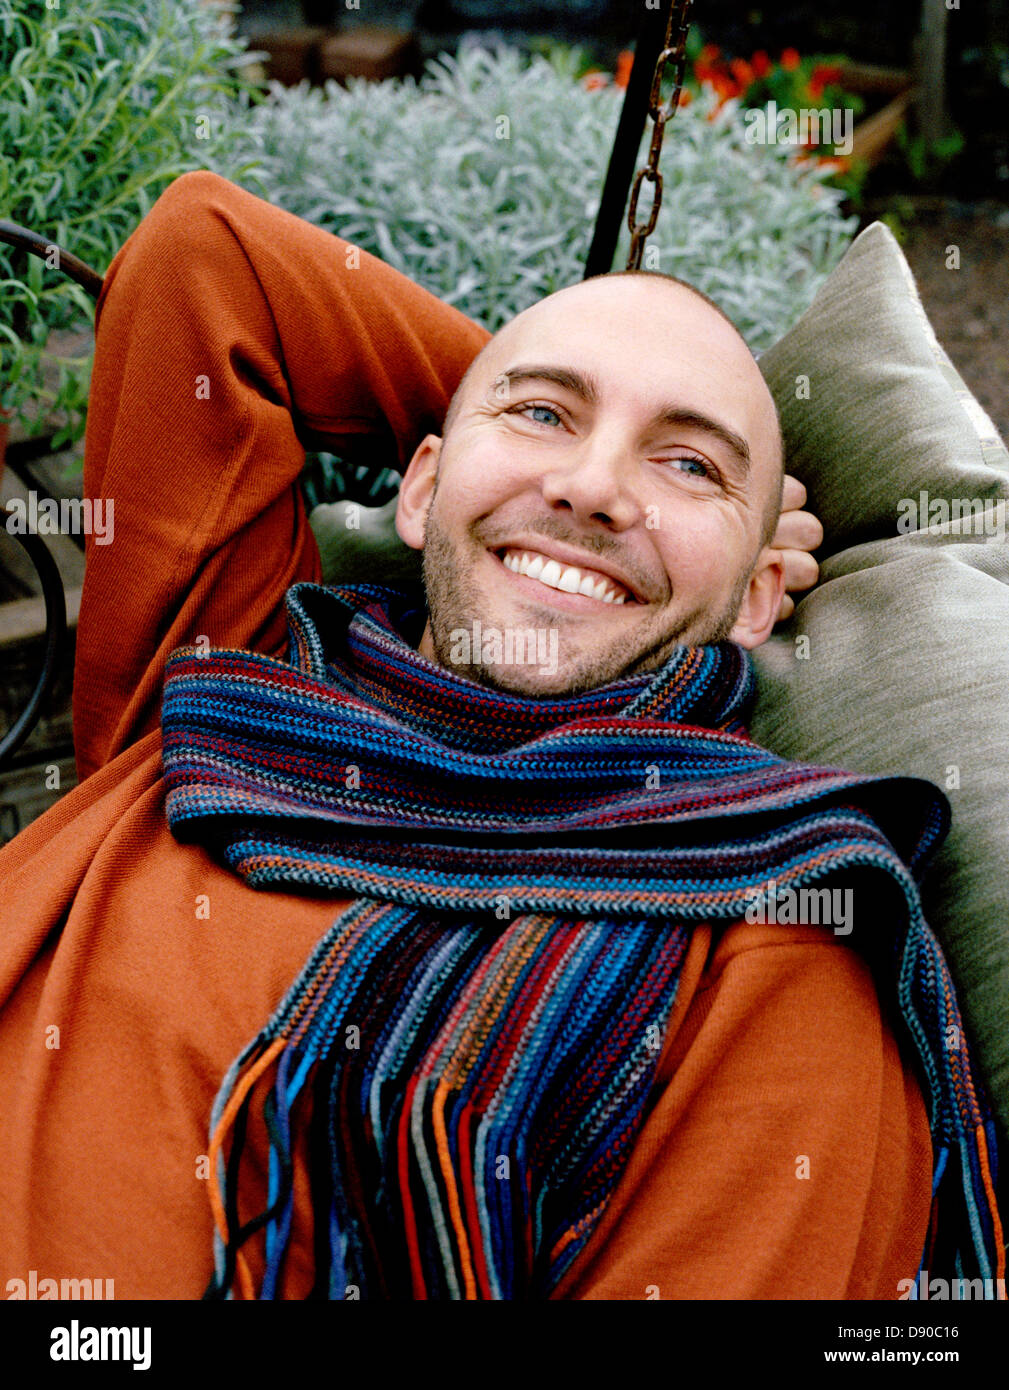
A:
[704,469]
[544,410]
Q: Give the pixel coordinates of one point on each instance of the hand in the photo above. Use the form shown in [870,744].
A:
[798,533]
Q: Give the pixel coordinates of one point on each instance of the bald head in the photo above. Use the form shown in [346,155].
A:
[610,470]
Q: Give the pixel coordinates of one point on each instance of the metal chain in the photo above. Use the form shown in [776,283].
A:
[674,50]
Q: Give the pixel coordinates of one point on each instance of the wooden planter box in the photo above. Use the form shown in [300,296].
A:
[368,51]
[873,136]
[316,54]
[291,53]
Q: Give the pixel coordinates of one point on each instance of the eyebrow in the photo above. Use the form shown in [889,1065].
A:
[585,387]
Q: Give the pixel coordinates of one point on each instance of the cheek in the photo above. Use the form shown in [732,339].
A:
[477,481]
[699,552]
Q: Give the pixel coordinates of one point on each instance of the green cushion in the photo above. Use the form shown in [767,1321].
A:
[898,661]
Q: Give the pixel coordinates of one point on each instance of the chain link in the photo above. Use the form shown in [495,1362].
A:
[674,51]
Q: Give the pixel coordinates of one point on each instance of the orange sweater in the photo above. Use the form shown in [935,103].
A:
[786,1153]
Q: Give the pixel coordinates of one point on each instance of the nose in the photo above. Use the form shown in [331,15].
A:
[594,484]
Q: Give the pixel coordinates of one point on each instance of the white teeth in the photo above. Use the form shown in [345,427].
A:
[568,578]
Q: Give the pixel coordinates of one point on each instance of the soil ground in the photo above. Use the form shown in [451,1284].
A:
[969,307]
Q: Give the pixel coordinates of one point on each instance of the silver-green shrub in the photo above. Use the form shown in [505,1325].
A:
[483,182]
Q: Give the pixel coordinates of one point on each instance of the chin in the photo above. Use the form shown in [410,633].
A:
[528,681]
[539,677]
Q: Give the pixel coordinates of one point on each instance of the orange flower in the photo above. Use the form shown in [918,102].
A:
[823,75]
[594,80]
[790,59]
[826,73]
[725,87]
[742,72]
[686,97]
[625,61]
[760,63]
[709,53]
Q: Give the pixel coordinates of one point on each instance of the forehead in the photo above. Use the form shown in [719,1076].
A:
[648,345]
[636,337]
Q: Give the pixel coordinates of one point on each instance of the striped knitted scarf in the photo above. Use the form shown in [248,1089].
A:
[467,1056]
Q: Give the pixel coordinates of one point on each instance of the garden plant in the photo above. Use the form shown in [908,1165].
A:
[101,106]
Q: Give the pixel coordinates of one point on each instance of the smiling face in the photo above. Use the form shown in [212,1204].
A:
[610,474]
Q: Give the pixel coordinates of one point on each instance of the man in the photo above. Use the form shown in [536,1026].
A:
[537,1050]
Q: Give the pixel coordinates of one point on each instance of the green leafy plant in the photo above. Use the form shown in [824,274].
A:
[792,82]
[900,216]
[927,159]
[101,106]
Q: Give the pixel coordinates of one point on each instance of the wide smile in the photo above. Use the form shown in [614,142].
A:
[560,584]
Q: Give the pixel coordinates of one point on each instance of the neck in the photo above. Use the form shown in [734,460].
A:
[426,645]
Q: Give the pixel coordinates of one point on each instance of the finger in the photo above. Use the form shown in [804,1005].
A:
[793,494]
[787,608]
[800,569]
[798,531]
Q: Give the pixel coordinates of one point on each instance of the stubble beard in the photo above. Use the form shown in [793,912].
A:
[454,603]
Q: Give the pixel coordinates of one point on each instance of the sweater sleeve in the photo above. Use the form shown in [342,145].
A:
[230,335]
[788,1154]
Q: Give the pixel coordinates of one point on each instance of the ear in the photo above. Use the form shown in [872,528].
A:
[762,601]
[416,491]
